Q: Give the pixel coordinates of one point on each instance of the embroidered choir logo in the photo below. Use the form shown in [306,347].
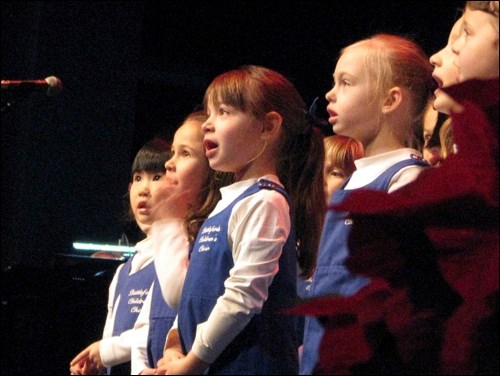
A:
[136,299]
[209,235]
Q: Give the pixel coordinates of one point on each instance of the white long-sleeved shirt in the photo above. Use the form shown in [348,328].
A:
[170,247]
[117,349]
[369,168]
[258,229]
[171,253]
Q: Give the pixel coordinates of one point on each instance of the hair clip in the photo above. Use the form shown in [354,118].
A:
[313,119]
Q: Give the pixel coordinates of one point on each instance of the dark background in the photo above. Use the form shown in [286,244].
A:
[132,70]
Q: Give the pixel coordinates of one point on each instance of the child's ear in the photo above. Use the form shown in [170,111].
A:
[129,186]
[392,100]
[272,125]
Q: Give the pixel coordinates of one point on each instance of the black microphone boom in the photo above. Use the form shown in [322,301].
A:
[50,86]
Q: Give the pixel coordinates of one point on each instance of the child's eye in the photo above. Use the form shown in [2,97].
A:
[337,174]
[342,82]
[137,178]
[223,111]
[158,177]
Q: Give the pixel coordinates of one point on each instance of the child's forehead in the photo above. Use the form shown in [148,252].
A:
[491,7]
[190,131]
[352,62]
[473,16]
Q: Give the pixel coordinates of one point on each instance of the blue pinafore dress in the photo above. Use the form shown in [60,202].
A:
[268,344]
[331,276]
[161,318]
[132,290]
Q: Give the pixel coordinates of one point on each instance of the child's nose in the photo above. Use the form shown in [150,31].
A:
[169,165]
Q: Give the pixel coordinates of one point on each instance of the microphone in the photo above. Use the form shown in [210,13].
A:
[50,86]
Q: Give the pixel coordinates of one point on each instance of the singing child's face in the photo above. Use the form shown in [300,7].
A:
[232,139]
[351,106]
[145,193]
[445,71]
[476,49]
[187,169]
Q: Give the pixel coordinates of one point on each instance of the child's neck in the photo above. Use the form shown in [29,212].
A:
[254,171]
[376,147]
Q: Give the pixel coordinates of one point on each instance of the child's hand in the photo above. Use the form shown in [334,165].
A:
[87,362]
[90,369]
[168,356]
[84,368]
[187,365]
[76,369]
[148,371]
[171,202]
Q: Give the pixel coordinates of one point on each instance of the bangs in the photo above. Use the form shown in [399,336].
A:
[152,157]
[230,88]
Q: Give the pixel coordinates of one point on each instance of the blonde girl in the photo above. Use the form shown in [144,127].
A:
[381,88]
